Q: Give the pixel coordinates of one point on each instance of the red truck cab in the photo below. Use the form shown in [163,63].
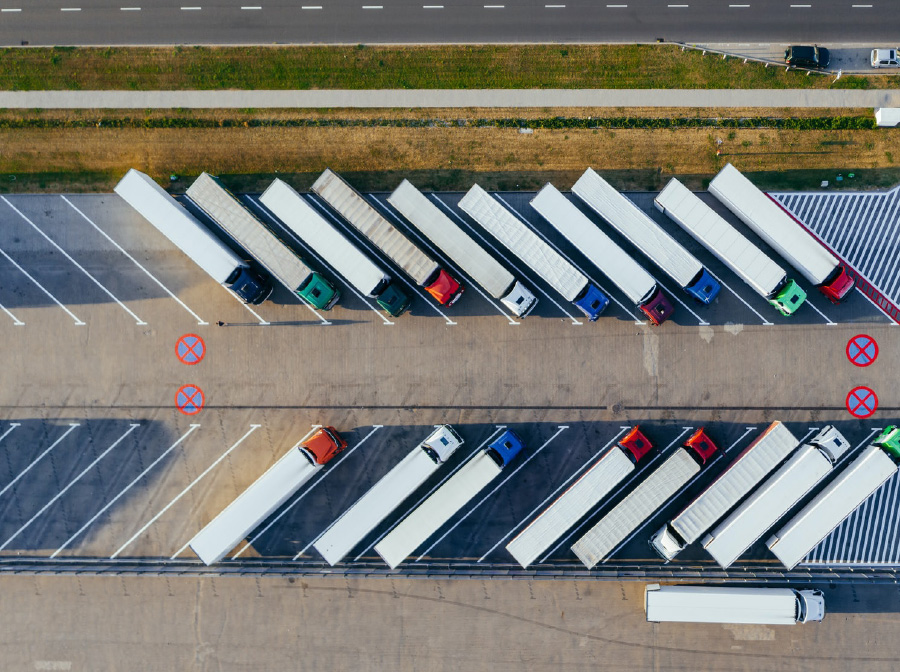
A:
[444,288]
[635,444]
[701,445]
[323,445]
[658,308]
[838,286]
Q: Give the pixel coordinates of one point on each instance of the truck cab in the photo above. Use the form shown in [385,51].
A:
[831,442]
[393,300]
[838,285]
[701,446]
[889,439]
[249,285]
[657,308]
[445,289]
[318,292]
[810,605]
[519,300]
[322,446]
[592,302]
[504,449]
[441,443]
[667,543]
[704,287]
[635,444]
[789,297]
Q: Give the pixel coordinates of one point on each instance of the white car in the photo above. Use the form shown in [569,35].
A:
[885,58]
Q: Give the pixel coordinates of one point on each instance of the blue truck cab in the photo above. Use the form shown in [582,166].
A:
[591,302]
[504,449]
[704,287]
[249,285]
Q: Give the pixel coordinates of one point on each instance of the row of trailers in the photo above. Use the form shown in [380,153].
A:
[748,498]
[308,223]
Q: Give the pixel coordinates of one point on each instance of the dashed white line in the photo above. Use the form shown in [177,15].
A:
[862,6]
[432,6]
[129,9]
[373,6]
[70,9]
[738,6]
[254,7]
[616,6]
[554,6]
[191,9]
[801,6]
[495,6]
[311,7]
[10,10]
[678,6]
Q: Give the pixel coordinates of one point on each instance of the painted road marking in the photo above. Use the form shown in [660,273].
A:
[72,426]
[12,426]
[741,299]
[78,322]
[537,286]
[46,506]
[127,488]
[862,402]
[190,349]
[189,399]
[16,321]
[10,10]
[123,251]
[128,543]
[862,350]
[67,256]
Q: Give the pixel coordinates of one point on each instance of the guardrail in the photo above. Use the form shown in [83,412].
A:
[768,63]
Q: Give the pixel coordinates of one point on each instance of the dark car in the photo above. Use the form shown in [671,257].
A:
[807,57]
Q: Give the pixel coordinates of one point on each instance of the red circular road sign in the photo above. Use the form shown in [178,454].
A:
[189,399]
[862,402]
[190,349]
[862,350]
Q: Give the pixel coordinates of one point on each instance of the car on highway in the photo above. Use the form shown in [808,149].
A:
[885,58]
[807,57]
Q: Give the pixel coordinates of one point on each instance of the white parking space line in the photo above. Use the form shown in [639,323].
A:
[637,320]
[12,426]
[312,253]
[252,429]
[126,489]
[46,506]
[290,506]
[386,207]
[199,319]
[399,276]
[560,430]
[638,473]
[16,321]
[78,322]
[262,320]
[553,494]
[497,430]
[536,286]
[72,426]
[138,320]
[828,320]
[741,299]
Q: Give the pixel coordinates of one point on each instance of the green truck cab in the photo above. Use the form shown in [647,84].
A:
[789,298]
[318,292]
[393,300]
[889,440]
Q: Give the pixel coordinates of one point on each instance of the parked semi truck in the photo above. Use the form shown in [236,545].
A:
[342,255]
[647,236]
[782,232]
[461,249]
[535,252]
[855,484]
[765,507]
[580,498]
[192,238]
[447,500]
[263,245]
[629,276]
[266,494]
[387,494]
[642,502]
[734,250]
[720,604]
[357,211]
[765,453]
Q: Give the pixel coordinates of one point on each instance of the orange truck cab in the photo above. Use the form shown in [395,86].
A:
[323,445]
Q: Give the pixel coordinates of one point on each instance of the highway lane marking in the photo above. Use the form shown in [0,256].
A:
[122,492]
[440,255]
[569,259]
[678,6]
[290,506]
[129,9]
[554,6]
[70,9]
[552,495]
[801,6]
[494,6]
[738,6]
[78,322]
[311,7]
[138,320]
[560,430]
[72,426]
[10,10]
[16,321]
[469,457]
[373,6]
[56,497]
[252,429]
[191,9]
[136,262]
[314,254]
[637,473]
[537,286]
[861,6]
[432,6]
[251,8]
[616,6]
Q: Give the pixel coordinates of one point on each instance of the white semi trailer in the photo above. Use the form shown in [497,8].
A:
[536,253]
[749,262]
[856,483]
[387,494]
[721,604]
[782,232]
[765,453]
[191,237]
[461,249]
[342,255]
[261,242]
[647,236]
[628,275]
[765,507]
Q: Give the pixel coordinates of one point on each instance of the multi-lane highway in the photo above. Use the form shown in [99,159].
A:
[134,22]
